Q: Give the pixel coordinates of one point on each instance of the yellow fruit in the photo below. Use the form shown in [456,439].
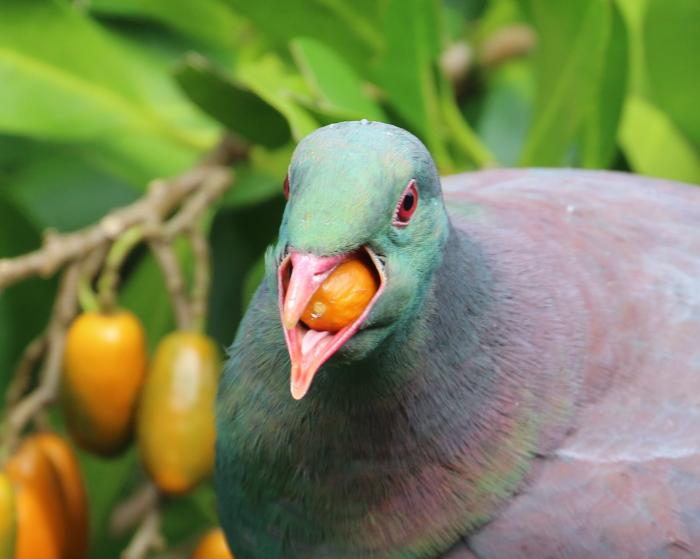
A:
[8,518]
[341,299]
[212,546]
[39,501]
[72,488]
[104,369]
[175,425]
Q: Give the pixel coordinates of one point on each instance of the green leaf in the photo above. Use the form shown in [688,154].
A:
[238,238]
[143,292]
[568,63]
[634,14]
[654,146]
[186,516]
[107,482]
[65,78]
[15,151]
[60,188]
[339,88]
[507,110]
[282,88]
[210,21]
[672,47]
[24,307]
[259,179]
[457,14]
[232,104]
[602,120]
[350,28]
[406,69]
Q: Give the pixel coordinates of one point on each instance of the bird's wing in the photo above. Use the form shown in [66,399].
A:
[626,481]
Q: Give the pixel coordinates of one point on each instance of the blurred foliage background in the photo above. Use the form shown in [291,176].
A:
[98,97]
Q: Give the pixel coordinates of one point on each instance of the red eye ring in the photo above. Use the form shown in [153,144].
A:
[407,205]
[286,186]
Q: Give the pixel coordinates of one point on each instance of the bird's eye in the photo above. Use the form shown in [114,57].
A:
[286,187]
[407,205]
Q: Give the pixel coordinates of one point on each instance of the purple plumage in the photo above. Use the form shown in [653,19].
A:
[625,482]
[524,384]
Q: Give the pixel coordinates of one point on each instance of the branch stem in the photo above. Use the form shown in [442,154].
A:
[109,278]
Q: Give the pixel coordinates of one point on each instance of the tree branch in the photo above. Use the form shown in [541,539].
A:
[162,198]
[64,310]
[147,537]
[174,281]
[23,372]
[201,279]
[83,253]
[133,509]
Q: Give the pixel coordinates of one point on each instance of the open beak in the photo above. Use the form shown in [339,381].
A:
[299,276]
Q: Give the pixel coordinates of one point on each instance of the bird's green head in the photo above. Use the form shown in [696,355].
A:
[357,190]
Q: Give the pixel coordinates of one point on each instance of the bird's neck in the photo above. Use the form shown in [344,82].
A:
[468,393]
[420,442]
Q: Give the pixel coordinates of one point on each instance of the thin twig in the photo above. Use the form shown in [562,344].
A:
[162,198]
[130,511]
[25,367]
[201,278]
[161,245]
[147,537]
[109,278]
[193,192]
[64,308]
[213,186]
[512,41]
[174,281]
[457,61]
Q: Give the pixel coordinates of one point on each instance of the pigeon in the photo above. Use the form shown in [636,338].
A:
[524,383]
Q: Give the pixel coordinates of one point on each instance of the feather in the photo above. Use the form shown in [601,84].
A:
[527,385]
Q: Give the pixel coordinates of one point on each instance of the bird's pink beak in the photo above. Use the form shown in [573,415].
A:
[299,276]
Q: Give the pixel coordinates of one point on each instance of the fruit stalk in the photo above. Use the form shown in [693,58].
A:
[147,538]
[202,273]
[109,278]
[65,308]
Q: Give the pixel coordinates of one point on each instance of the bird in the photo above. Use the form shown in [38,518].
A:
[525,383]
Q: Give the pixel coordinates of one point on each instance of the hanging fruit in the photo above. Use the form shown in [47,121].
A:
[175,427]
[104,369]
[41,517]
[8,518]
[72,489]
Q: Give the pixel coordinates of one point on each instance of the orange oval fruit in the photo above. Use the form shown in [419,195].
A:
[212,545]
[341,299]
[39,499]
[8,518]
[175,424]
[35,533]
[104,369]
[72,488]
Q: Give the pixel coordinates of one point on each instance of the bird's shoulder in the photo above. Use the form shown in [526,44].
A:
[625,482]
[588,507]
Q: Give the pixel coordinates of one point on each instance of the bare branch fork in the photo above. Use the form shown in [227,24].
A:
[206,183]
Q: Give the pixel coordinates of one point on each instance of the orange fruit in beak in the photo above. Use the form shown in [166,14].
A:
[341,299]
[212,546]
